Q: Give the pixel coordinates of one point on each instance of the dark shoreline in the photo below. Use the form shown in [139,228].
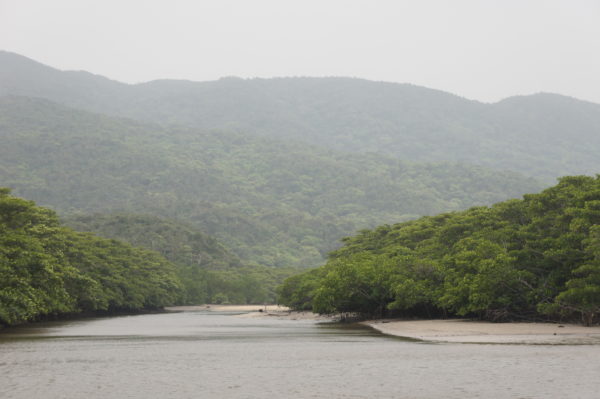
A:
[81,316]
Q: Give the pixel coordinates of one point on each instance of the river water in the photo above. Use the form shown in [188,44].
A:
[211,355]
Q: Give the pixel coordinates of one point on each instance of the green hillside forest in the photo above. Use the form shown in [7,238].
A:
[530,259]
[209,273]
[271,203]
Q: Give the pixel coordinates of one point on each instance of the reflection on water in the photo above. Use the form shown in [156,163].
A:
[208,355]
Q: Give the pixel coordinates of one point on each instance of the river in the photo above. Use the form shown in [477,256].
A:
[213,355]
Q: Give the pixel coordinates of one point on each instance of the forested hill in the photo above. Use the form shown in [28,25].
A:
[273,203]
[543,135]
[174,240]
[209,273]
[521,259]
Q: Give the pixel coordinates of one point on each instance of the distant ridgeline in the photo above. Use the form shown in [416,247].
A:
[544,135]
[48,270]
[520,259]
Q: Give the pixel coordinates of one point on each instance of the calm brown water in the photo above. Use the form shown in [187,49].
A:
[207,355]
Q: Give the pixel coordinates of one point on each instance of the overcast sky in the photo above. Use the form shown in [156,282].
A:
[479,49]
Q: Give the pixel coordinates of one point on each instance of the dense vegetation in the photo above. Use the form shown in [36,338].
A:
[271,203]
[46,269]
[208,272]
[295,165]
[546,135]
[518,259]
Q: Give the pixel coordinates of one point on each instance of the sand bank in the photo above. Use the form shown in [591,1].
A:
[292,315]
[228,308]
[467,331]
[251,311]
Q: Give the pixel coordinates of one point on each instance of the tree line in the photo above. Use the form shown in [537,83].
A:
[48,270]
[532,259]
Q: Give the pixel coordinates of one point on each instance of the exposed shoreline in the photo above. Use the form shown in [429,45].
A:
[252,311]
[467,331]
[449,330]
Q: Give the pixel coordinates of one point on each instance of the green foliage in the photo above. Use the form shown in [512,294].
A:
[46,269]
[516,259]
[363,283]
[582,292]
[277,204]
[481,278]
[299,291]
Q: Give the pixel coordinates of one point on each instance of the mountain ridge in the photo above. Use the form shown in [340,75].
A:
[545,135]
[5,54]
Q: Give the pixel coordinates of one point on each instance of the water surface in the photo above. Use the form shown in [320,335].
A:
[208,355]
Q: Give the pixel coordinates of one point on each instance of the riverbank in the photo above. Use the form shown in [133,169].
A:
[81,316]
[467,331]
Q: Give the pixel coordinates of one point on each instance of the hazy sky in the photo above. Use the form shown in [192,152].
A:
[480,49]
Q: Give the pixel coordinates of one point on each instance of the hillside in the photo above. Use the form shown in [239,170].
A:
[174,240]
[271,202]
[542,135]
[208,272]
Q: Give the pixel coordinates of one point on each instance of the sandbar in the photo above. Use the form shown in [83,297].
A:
[468,331]
[252,311]
[228,308]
